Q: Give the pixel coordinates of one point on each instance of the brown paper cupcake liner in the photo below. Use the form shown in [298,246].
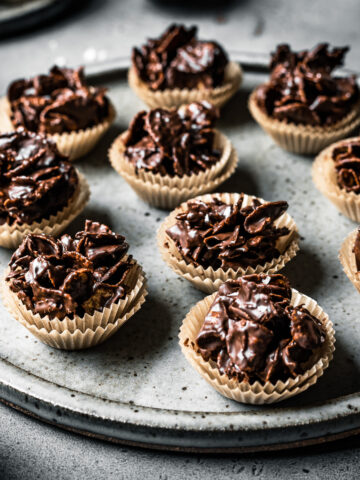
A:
[12,235]
[72,144]
[167,197]
[324,178]
[121,164]
[176,97]
[79,332]
[209,280]
[347,259]
[304,139]
[255,393]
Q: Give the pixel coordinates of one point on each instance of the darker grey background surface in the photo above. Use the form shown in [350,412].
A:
[30,450]
[109,28]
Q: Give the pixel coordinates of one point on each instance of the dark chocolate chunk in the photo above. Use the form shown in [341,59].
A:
[302,89]
[35,179]
[347,165]
[71,276]
[58,102]
[173,142]
[218,235]
[253,333]
[178,60]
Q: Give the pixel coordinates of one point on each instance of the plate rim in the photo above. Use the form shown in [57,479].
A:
[173,429]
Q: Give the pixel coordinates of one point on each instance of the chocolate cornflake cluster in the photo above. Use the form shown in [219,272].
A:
[173,142]
[254,334]
[178,59]
[58,102]
[71,276]
[347,165]
[35,179]
[215,234]
[302,89]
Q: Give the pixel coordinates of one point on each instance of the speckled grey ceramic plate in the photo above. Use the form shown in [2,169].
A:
[137,387]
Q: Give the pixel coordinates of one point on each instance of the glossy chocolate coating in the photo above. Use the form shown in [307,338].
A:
[71,276]
[253,333]
[347,165]
[178,60]
[58,102]
[225,236]
[302,89]
[173,142]
[35,179]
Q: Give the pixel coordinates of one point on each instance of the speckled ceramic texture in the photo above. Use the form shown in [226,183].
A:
[137,387]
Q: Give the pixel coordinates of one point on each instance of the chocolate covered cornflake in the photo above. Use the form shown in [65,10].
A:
[173,142]
[58,102]
[347,165]
[71,275]
[302,88]
[215,234]
[36,181]
[254,334]
[177,59]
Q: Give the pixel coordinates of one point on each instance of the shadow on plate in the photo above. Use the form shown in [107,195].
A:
[305,272]
[137,338]
[241,181]
[341,378]
[98,157]
[236,111]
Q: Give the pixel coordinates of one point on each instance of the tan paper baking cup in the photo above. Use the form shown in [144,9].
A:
[209,280]
[12,235]
[347,259]
[167,196]
[80,332]
[304,139]
[72,144]
[325,180]
[122,164]
[176,97]
[255,393]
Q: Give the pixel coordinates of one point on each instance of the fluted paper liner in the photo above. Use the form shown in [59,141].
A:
[304,139]
[170,192]
[209,280]
[79,332]
[74,144]
[176,97]
[256,393]
[325,180]
[12,235]
[347,259]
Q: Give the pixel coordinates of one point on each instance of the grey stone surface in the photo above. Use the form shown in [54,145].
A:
[30,451]
[109,28]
